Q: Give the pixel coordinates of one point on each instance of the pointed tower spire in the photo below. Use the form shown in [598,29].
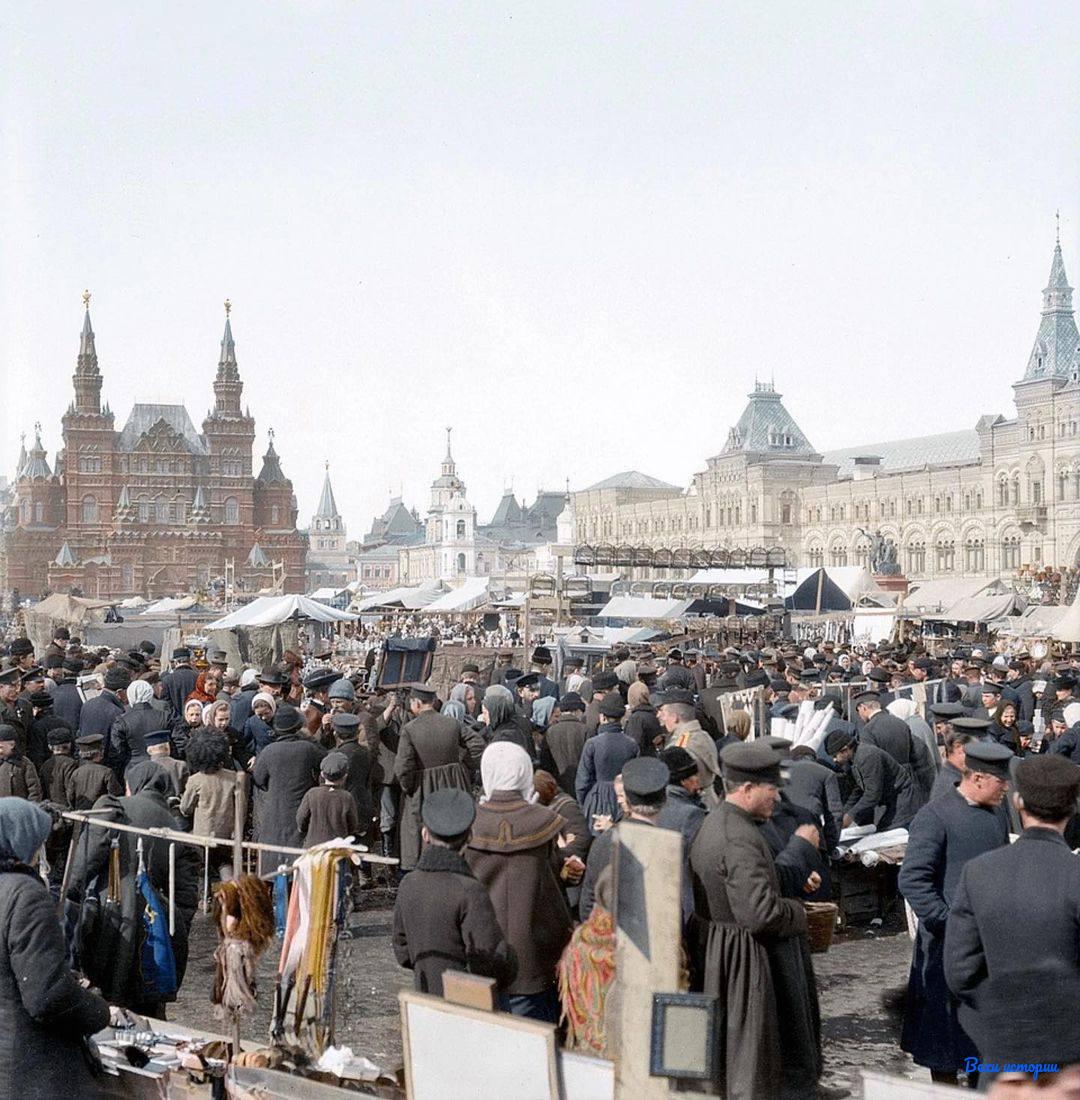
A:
[327,505]
[271,472]
[87,378]
[1057,343]
[22,456]
[227,385]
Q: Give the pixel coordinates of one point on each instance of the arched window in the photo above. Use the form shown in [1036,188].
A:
[274,514]
[460,528]
[815,557]
[39,512]
[461,563]
[127,577]
[89,510]
[974,556]
[232,510]
[916,555]
[1010,552]
[946,555]
[144,510]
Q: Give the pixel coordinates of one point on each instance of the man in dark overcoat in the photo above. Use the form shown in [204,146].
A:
[755,936]
[893,735]
[98,714]
[879,783]
[283,773]
[960,825]
[443,916]
[434,751]
[564,740]
[179,682]
[1012,939]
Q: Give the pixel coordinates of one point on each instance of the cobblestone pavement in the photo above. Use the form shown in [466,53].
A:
[860,983]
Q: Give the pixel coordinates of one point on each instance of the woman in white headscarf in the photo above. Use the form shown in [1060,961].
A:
[906,710]
[513,852]
[127,738]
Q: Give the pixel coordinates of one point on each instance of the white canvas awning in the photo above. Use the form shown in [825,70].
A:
[270,610]
[1068,626]
[409,598]
[471,594]
[977,609]
[643,607]
[940,595]
[169,605]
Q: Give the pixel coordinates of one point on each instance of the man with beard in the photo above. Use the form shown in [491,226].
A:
[962,823]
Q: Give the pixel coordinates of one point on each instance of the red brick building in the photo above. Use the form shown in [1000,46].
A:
[154,509]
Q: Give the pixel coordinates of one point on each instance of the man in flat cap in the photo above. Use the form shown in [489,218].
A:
[683,811]
[756,958]
[91,779]
[954,748]
[12,711]
[1011,954]
[443,916]
[893,735]
[564,740]
[677,675]
[433,751]
[963,823]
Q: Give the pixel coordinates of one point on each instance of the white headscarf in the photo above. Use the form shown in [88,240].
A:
[264,697]
[507,767]
[139,691]
[1072,714]
[902,708]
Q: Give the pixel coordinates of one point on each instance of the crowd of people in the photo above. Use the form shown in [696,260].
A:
[503,803]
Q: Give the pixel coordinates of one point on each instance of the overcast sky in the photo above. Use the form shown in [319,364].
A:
[576,232]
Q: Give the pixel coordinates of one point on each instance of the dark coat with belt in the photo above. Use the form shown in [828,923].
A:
[756,961]
[99,713]
[893,735]
[561,748]
[111,932]
[358,781]
[434,751]
[513,852]
[55,773]
[46,1013]
[37,740]
[945,834]
[125,742]
[283,773]
[1012,950]
[444,920]
[644,727]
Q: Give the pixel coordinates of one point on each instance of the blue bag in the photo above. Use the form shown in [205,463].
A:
[157,963]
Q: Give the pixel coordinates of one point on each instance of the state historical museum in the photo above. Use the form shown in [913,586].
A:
[157,508]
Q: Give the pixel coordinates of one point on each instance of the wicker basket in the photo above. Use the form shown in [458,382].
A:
[821,923]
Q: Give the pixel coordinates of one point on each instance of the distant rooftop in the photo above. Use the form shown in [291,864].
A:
[630,479]
[144,417]
[948,449]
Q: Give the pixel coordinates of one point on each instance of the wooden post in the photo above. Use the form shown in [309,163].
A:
[648,882]
[239,816]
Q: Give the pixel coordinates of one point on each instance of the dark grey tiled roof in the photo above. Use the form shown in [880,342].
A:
[948,449]
[144,417]
[630,479]
[766,427]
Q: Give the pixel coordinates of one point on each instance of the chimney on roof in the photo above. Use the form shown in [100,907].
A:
[866,466]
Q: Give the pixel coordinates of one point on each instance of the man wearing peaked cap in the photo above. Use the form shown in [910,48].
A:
[99,714]
[762,980]
[879,782]
[563,742]
[443,916]
[179,682]
[346,729]
[963,823]
[1010,943]
[683,812]
[91,779]
[678,718]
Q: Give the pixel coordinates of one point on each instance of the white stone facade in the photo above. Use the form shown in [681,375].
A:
[985,501]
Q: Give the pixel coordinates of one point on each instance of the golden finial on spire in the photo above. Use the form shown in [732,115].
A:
[86,299]
[228,307]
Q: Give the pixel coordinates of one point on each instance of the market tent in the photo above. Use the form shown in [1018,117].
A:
[471,594]
[855,581]
[643,607]
[978,609]
[269,610]
[817,591]
[1068,627]
[408,598]
[1036,620]
[170,605]
[940,595]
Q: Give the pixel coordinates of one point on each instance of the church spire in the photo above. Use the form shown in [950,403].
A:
[87,378]
[327,505]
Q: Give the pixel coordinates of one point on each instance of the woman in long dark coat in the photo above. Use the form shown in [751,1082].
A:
[641,723]
[513,851]
[45,1015]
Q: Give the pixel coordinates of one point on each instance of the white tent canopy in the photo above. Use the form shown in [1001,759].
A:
[977,609]
[408,598]
[941,595]
[471,594]
[643,607]
[1068,626]
[169,605]
[855,581]
[270,610]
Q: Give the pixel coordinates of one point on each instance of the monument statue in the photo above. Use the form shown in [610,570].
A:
[883,555]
